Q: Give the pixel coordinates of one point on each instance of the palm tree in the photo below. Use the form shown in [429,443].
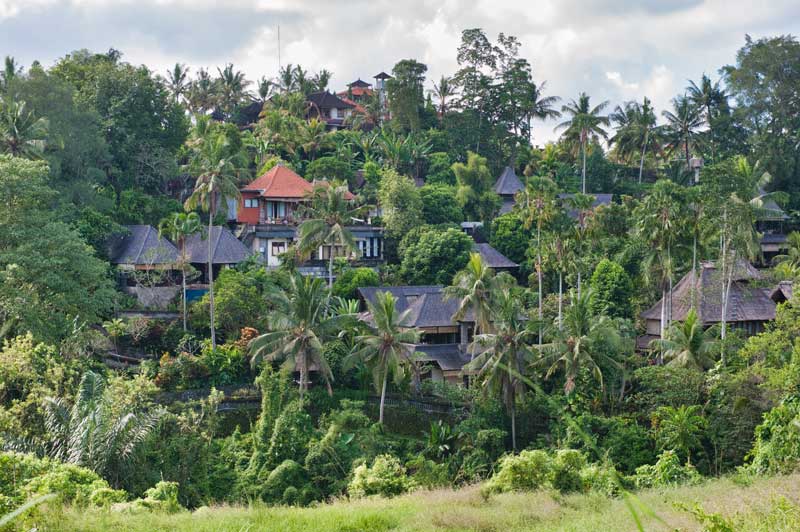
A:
[680,429]
[538,107]
[687,344]
[178,228]
[286,78]
[21,133]
[10,70]
[443,90]
[313,137]
[539,207]
[682,124]
[266,88]
[322,79]
[582,205]
[298,325]
[326,217]
[585,122]
[581,344]
[792,256]
[635,124]
[503,353]
[217,169]
[200,95]
[474,286]
[94,432]
[558,255]
[177,81]
[709,97]
[388,345]
[232,87]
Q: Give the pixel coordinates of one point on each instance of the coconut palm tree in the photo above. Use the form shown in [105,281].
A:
[474,286]
[388,345]
[585,122]
[688,344]
[538,200]
[322,79]
[582,344]
[200,96]
[539,107]
[682,126]
[232,88]
[327,214]
[581,205]
[709,97]
[557,254]
[680,429]
[21,133]
[94,432]
[178,228]
[10,70]
[792,256]
[298,325]
[636,123]
[178,81]
[443,91]
[218,169]
[503,353]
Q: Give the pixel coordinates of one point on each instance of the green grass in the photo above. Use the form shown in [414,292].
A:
[768,504]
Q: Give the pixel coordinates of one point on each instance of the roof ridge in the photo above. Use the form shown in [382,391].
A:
[144,241]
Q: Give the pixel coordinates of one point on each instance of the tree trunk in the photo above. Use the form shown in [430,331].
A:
[583,172]
[330,266]
[211,273]
[644,149]
[513,412]
[579,284]
[539,277]
[383,393]
[662,329]
[694,271]
[183,289]
[560,298]
[686,149]
[669,276]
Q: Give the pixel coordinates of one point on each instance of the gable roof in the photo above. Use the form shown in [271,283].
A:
[280,182]
[327,100]
[382,75]
[141,246]
[449,357]
[225,248]
[746,303]
[426,304]
[359,83]
[493,258]
[508,184]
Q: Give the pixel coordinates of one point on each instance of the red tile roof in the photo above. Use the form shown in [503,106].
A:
[280,182]
[358,108]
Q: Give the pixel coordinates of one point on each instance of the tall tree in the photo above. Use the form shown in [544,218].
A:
[709,97]
[326,222]
[232,88]
[688,344]
[635,125]
[21,133]
[473,287]
[540,107]
[503,353]
[583,344]
[682,126]
[178,81]
[217,167]
[680,429]
[406,97]
[178,228]
[443,91]
[475,193]
[298,325]
[388,345]
[585,122]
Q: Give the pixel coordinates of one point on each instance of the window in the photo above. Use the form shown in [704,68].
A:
[251,203]
[338,251]
[276,209]
[278,248]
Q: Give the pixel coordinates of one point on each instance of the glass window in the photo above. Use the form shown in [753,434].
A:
[250,203]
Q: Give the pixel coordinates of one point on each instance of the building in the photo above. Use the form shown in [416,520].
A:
[442,352]
[358,91]
[772,225]
[329,108]
[494,259]
[270,212]
[750,306]
[507,186]
[226,250]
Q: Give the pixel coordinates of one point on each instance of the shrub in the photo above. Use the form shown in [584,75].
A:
[656,386]
[777,444]
[667,471]
[527,471]
[611,290]
[387,477]
[566,470]
[283,483]
[290,436]
[163,497]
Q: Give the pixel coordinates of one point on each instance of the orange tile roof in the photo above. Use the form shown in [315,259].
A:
[356,106]
[280,182]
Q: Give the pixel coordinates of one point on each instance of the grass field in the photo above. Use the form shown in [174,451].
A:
[768,504]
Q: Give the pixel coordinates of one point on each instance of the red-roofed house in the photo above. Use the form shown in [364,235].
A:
[269,211]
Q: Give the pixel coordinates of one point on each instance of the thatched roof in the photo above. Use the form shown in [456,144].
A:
[427,304]
[225,248]
[493,258]
[508,183]
[141,246]
[449,357]
[747,301]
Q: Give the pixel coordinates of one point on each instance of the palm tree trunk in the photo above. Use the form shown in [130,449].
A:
[583,172]
[211,274]
[669,276]
[694,271]
[644,148]
[560,298]
[723,260]
[686,149]
[383,393]
[183,289]
[579,284]
[330,266]
[513,412]
[539,276]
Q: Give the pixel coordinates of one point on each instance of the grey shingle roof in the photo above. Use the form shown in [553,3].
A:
[327,100]
[226,248]
[427,304]
[493,258]
[449,357]
[747,302]
[142,246]
[508,183]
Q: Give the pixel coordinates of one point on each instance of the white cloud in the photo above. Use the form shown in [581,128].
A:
[616,79]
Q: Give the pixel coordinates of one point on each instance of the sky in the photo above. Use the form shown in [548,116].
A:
[614,50]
